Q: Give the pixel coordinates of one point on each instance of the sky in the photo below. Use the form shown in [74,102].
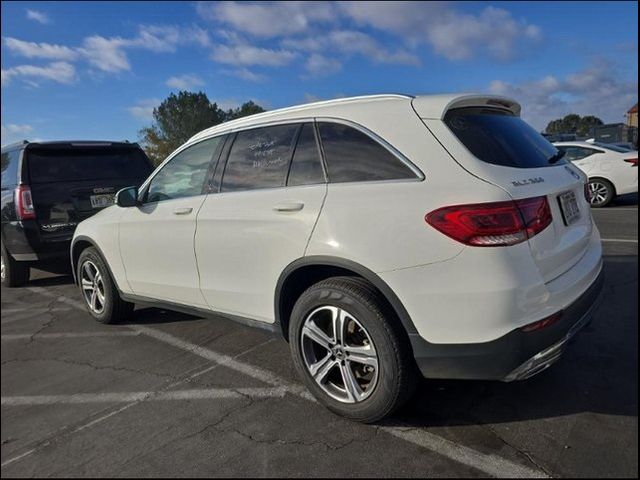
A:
[96,70]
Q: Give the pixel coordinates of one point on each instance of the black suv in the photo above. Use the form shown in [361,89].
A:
[49,187]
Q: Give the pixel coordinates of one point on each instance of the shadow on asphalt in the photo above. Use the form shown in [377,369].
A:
[598,373]
[628,200]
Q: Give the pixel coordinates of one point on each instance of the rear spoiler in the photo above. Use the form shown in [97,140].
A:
[436,107]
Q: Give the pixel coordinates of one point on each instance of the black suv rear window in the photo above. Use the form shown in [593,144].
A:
[78,163]
[501,138]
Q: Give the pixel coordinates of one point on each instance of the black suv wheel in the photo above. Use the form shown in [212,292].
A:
[14,274]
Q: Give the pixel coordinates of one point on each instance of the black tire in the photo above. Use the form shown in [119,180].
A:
[114,308]
[605,189]
[397,371]
[15,274]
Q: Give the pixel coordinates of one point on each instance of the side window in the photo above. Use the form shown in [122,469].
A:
[578,153]
[10,162]
[353,156]
[306,166]
[185,174]
[259,158]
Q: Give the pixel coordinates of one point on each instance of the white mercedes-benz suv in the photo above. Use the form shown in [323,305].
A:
[381,236]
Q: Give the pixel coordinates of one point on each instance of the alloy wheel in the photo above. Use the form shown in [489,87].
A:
[598,192]
[339,354]
[93,287]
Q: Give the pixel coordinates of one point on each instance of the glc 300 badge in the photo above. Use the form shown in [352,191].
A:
[527,181]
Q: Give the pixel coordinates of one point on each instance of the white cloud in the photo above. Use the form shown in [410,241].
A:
[39,50]
[597,90]
[38,16]
[143,109]
[12,132]
[247,55]
[185,82]
[351,42]
[110,54]
[245,74]
[451,34]
[106,54]
[61,72]
[268,19]
[320,66]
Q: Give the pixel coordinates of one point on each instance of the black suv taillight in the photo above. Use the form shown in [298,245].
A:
[24,203]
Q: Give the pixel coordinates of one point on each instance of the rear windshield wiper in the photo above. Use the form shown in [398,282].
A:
[556,157]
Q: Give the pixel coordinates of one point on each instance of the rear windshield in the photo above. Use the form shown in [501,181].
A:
[501,138]
[76,164]
[611,146]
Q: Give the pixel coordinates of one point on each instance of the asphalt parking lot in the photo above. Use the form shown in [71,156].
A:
[174,395]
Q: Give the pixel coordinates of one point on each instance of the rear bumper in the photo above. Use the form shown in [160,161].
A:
[23,242]
[514,356]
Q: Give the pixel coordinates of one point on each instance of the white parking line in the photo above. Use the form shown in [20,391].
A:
[60,298]
[487,463]
[45,336]
[125,397]
[619,240]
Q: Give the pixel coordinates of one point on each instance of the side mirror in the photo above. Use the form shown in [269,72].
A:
[127,197]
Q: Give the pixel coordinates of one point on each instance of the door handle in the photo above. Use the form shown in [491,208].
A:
[183,211]
[288,207]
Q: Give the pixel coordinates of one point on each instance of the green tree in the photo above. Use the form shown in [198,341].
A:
[573,123]
[181,116]
[248,108]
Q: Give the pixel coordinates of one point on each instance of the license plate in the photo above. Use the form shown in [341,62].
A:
[101,201]
[569,207]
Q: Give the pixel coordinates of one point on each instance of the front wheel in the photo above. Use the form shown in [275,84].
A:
[601,192]
[99,290]
[350,351]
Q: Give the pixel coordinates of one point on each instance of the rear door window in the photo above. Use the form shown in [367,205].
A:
[79,163]
[260,158]
[10,162]
[500,138]
[306,166]
[353,156]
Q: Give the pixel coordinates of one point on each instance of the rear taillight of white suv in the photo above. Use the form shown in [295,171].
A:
[24,203]
[495,224]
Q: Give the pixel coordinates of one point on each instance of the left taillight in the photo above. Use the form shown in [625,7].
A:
[632,161]
[24,203]
[495,224]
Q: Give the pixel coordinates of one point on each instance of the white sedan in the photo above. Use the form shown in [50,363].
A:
[612,170]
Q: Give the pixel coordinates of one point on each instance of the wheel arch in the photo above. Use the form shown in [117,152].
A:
[304,272]
[81,243]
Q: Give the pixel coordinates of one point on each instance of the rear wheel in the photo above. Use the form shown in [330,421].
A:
[601,192]
[14,274]
[99,290]
[349,350]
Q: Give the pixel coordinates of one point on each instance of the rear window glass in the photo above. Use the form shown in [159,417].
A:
[67,165]
[10,162]
[501,138]
[615,148]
